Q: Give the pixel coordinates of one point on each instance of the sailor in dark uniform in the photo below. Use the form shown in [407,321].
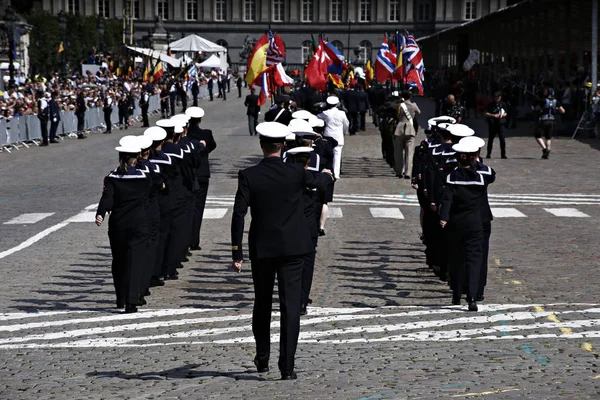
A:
[125,195]
[107,109]
[157,157]
[202,170]
[280,112]
[278,240]
[489,176]
[460,215]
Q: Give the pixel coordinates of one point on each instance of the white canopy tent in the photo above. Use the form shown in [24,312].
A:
[195,43]
[172,61]
[212,62]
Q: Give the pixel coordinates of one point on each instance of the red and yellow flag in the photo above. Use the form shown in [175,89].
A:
[257,62]
[61,48]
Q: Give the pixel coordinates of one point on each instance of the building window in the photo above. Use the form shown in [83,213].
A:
[424,10]
[104,8]
[394,10]
[307,11]
[220,10]
[223,43]
[135,4]
[364,52]
[335,10]
[162,9]
[278,11]
[72,6]
[249,10]
[191,10]
[338,45]
[364,14]
[470,9]
[306,51]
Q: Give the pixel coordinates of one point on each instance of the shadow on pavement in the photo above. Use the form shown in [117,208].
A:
[185,372]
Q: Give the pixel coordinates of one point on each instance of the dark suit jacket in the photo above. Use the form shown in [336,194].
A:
[252,103]
[53,111]
[197,133]
[273,190]
[285,117]
[351,100]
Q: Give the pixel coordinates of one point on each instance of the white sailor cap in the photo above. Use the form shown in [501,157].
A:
[130,148]
[291,137]
[195,112]
[316,122]
[465,147]
[127,140]
[156,133]
[460,130]
[300,126]
[302,114]
[167,123]
[438,120]
[272,131]
[144,142]
[443,125]
[178,129]
[301,149]
[181,119]
[333,100]
[476,141]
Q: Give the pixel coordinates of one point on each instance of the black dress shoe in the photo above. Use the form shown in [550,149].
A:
[185,259]
[504,157]
[261,367]
[472,304]
[147,293]
[479,297]
[155,281]
[189,254]
[303,310]
[172,277]
[406,177]
[55,141]
[195,248]
[44,144]
[120,304]
[81,136]
[130,309]
[321,232]
[288,376]
[456,300]
[142,301]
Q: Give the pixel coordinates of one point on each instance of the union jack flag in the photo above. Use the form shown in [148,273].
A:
[276,49]
[413,57]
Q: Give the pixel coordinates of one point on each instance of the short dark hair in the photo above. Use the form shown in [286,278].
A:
[406,94]
[497,94]
[270,147]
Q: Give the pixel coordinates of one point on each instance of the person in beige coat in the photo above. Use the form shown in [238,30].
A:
[404,136]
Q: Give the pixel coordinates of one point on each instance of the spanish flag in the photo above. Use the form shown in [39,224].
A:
[369,73]
[61,48]
[257,62]
[336,80]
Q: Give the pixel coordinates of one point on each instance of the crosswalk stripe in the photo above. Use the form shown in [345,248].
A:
[567,212]
[507,213]
[86,216]
[214,213]
[386,213]
[30,218]
[335,212]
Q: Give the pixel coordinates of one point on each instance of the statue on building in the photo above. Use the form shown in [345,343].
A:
[159,26]
[247,48]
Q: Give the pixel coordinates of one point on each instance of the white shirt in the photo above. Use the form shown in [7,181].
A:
[336,124]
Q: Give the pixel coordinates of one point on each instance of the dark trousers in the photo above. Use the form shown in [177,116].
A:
[289,283]
[485,251]
[176,239]
[195,99]
[107,120]
[53,129]
[183,101]
[44,129]
[129,248]
[493,132]
[150,262]
[172,98]
[80,122]
[435,240]
[163,236]
[123,118]
[145,116]
[164,109]
[387,148]
[363,122]
[465,252]
[239,91]
[210,93]
[199,204]
[308,271]
[353,123]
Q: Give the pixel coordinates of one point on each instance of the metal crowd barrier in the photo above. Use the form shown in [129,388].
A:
[22,130]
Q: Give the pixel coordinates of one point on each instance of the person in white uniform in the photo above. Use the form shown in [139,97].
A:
[336,127]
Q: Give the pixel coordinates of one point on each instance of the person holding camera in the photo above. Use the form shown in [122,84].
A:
[546,109]
[496,117]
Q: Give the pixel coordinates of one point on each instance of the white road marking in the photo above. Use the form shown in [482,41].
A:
[567,212]
[335,212]
[87,216]
[33,239]
[92,206]
[386,213]
[214,213]
[507,213]
[30,218]
[23,315]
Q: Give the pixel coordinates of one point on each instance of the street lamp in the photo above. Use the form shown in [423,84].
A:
[62,23]
[350,22]
[101,33]
[10,18]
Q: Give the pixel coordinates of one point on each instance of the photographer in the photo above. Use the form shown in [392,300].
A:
[496,116]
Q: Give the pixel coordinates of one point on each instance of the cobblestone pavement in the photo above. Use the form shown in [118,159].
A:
[381,325]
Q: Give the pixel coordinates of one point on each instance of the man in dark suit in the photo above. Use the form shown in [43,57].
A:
[202,171]
[54,116]
[210,84]
[278,240]
[195,92]
[252,110]
[280,112]
[363,107]
[351,101]
[239,82]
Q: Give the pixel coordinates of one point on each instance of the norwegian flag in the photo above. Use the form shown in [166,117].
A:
[276,49]
[265,93]
[413,57]
[386,62]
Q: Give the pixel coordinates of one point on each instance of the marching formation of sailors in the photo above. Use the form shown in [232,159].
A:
[156,198]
